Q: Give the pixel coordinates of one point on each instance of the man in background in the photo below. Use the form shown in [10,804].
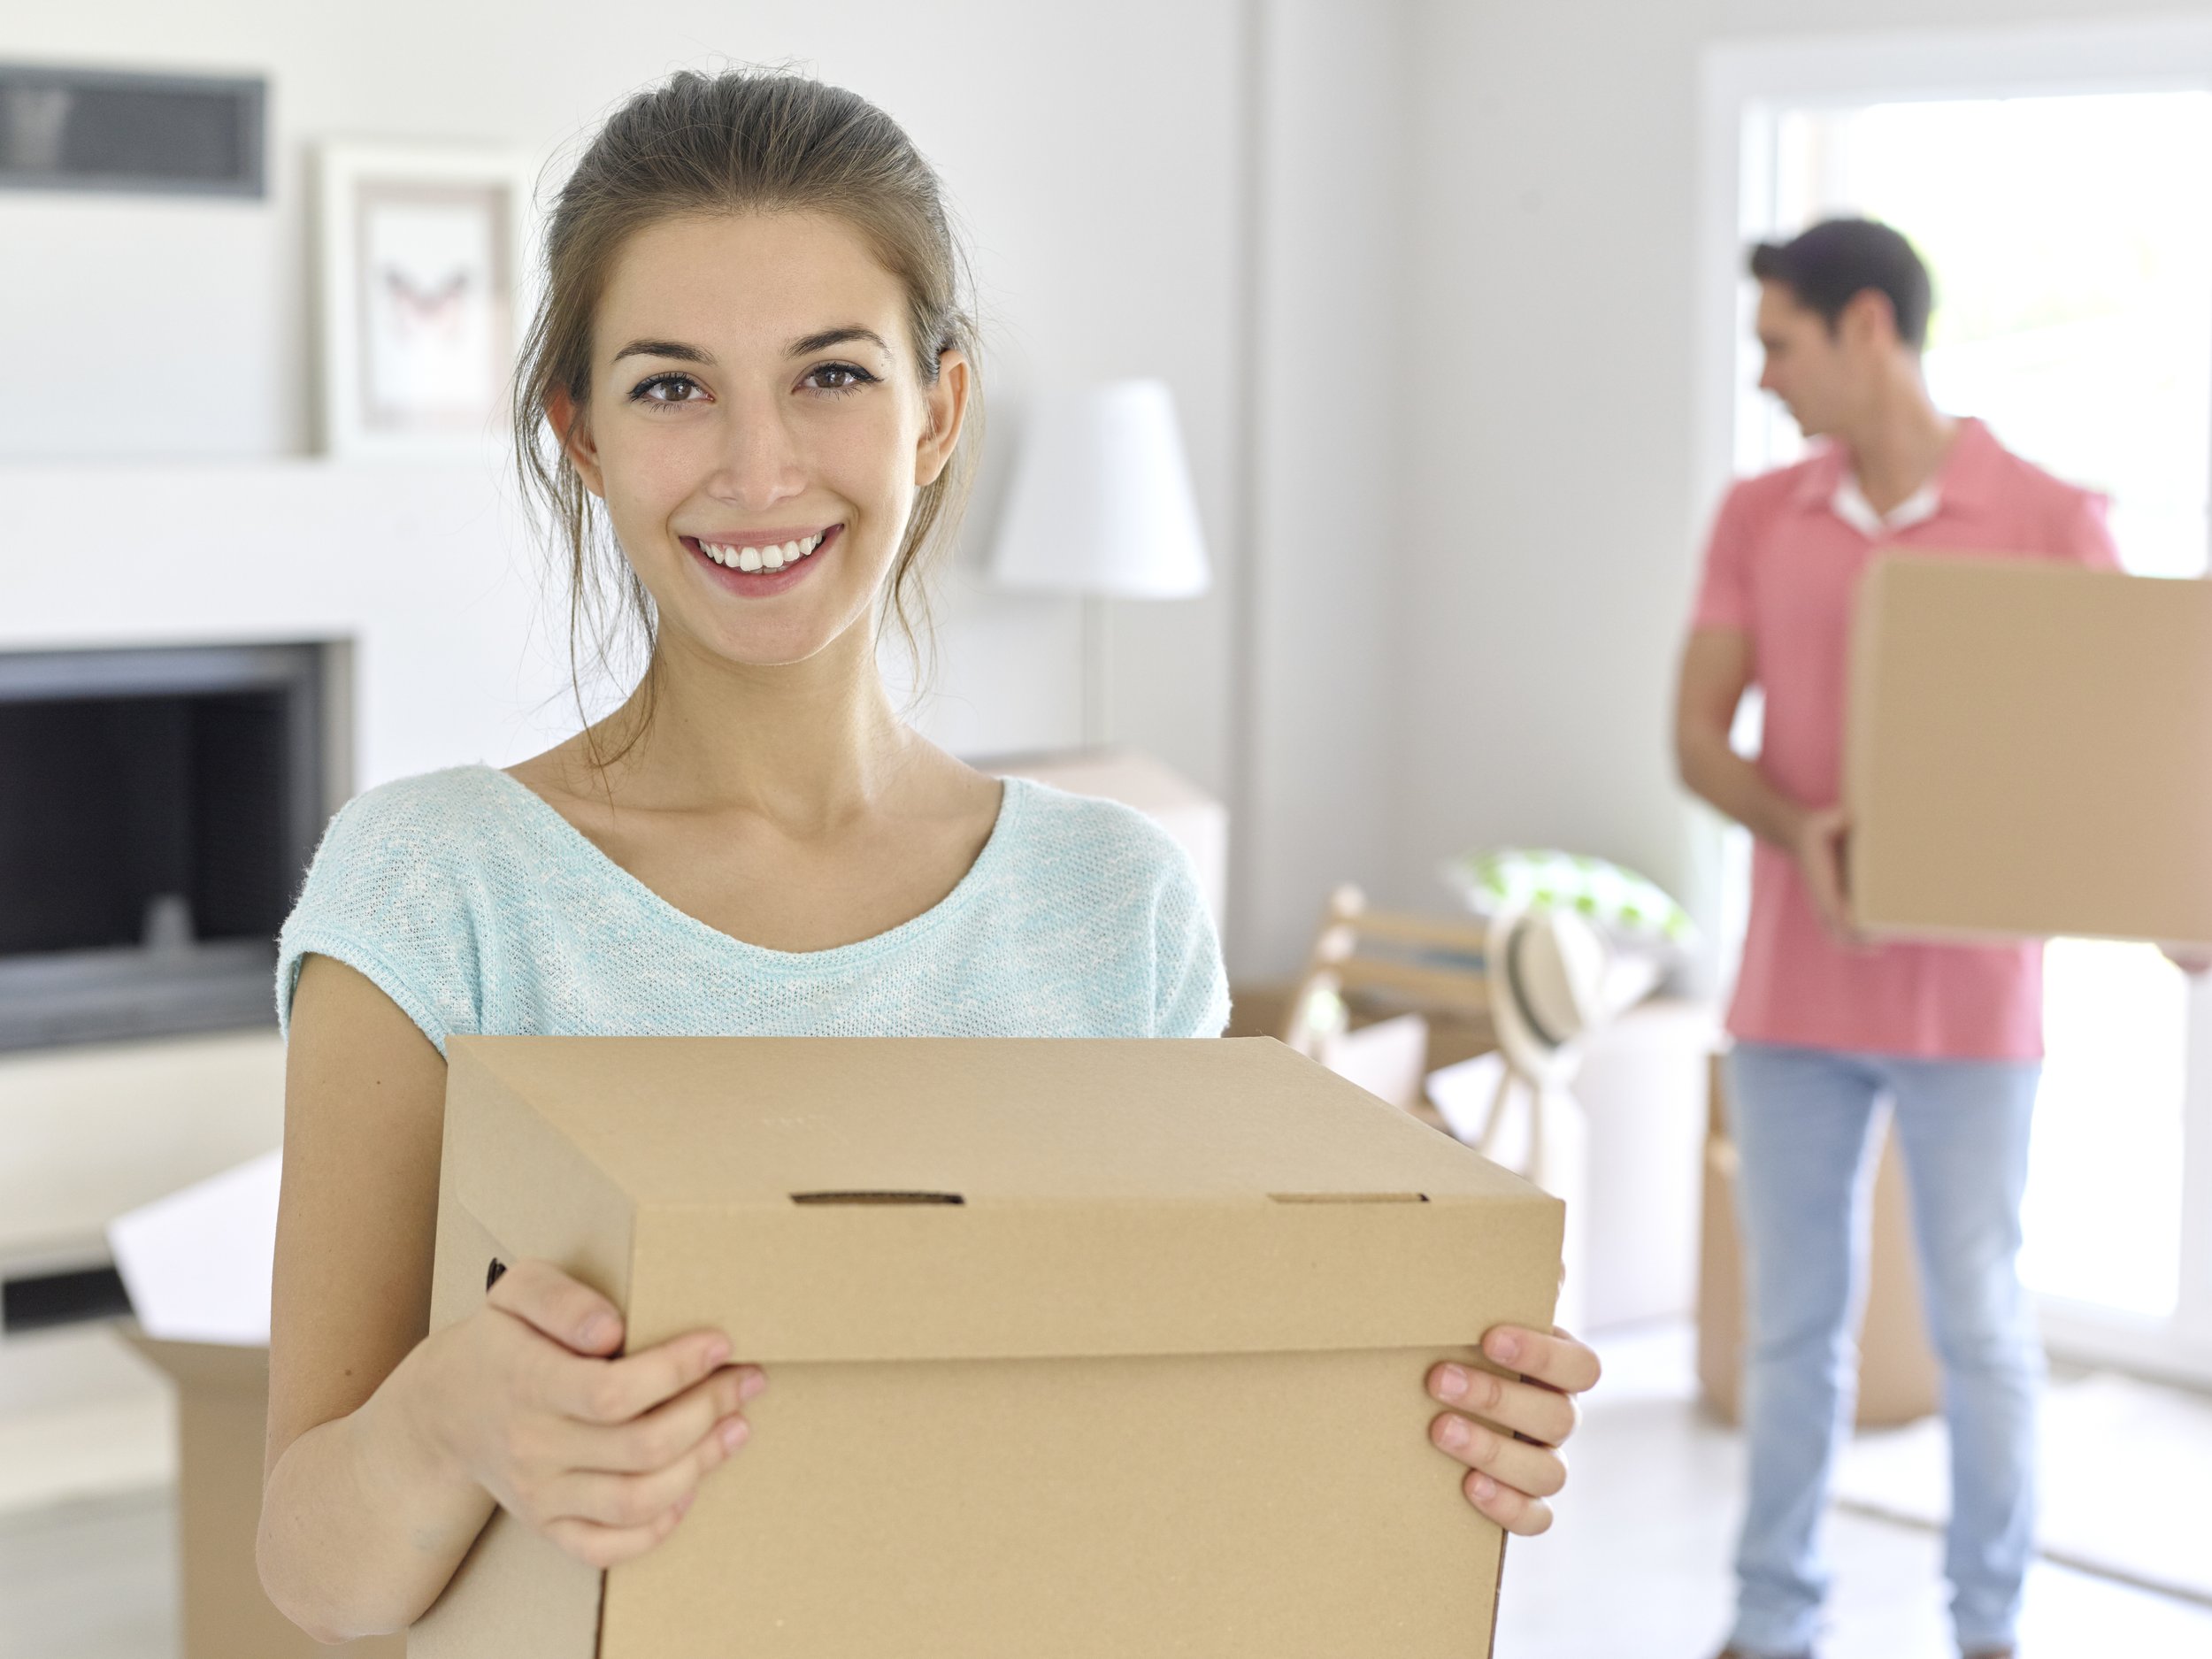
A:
[1825,1024]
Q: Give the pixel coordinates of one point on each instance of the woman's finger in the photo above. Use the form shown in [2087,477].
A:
[1537,1471]
[1539,1412]
[604,1547]
[1557,1361]
[555,1306]
[608,1391]
[623,1501]
[1516,1511]
[667,1432]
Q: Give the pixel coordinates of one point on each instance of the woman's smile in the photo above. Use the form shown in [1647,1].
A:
[759,563]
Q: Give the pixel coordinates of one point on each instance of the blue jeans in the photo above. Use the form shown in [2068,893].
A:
[1803,1119]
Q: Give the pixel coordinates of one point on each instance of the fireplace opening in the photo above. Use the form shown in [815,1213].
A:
[158,808]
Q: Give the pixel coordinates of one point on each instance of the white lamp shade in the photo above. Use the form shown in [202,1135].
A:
[1101,501]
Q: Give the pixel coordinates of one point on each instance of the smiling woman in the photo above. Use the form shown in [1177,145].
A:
[749,402]
[812,150]
[751,399]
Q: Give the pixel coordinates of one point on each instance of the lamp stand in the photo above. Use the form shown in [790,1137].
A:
[1096,680]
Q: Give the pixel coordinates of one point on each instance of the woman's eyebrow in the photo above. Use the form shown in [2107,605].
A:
[674,349]
[830,337]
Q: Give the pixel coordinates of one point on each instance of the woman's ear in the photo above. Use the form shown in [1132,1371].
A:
[945,405]
[567,421]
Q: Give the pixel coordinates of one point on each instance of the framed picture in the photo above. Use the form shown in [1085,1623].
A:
[422,255]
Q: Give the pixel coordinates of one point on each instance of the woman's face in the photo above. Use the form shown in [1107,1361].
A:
[758,427]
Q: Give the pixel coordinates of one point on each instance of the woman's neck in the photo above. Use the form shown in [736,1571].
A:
[805,745]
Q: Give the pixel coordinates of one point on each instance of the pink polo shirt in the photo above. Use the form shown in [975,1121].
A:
[1786,555]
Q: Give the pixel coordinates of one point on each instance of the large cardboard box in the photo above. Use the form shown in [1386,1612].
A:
[2029,752]
[1900,1379]
[222,1416]
[1075,1348]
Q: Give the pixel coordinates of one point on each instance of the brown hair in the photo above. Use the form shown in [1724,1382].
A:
[741,141]
[1839,259]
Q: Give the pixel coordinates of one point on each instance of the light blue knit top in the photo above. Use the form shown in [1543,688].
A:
[479,908]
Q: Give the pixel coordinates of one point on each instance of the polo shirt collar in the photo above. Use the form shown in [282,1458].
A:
[1967,480]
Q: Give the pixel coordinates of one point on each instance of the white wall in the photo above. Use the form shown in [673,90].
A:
[1551,306]
[1322,735]
[1423,274]
[1092,151]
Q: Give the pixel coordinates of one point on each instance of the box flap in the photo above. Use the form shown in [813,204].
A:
[919,1198]
[198,1263]
[218,1366]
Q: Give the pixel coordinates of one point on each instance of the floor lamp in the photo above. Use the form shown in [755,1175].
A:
[1101,507]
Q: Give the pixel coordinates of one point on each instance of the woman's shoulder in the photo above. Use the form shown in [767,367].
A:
[1090,839]
[399,888]
[1101,869]
[423,810]
[449,825]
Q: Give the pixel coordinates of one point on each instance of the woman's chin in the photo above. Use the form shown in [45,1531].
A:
[785,644]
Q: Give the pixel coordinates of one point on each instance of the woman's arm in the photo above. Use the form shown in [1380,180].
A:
[386,1452]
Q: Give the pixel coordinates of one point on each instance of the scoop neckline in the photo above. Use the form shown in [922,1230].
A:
[1012,793]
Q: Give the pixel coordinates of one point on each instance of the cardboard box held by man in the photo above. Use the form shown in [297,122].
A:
[2030,753]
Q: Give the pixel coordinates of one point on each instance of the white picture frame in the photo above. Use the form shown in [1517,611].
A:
[422,256]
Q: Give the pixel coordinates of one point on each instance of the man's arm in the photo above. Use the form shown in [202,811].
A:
[1717,669]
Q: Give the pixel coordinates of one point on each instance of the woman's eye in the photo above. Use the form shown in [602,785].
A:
[666,389]
[837,377]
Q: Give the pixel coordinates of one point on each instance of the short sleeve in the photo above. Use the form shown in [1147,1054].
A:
[2085,531]
[1724,593]
[1192,997]
[387,895]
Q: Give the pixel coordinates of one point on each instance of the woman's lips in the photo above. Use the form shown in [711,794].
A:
[761,584]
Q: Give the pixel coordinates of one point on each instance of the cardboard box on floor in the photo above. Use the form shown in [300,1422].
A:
[222,1415]
[1076,1347]
[1900,1380]
[2029,752]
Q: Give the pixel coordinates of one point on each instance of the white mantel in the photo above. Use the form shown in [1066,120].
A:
[426,569]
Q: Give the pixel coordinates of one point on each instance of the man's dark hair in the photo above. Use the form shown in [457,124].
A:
[1839,259]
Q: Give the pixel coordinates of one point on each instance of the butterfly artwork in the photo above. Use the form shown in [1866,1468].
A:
[422,266]
[435,327]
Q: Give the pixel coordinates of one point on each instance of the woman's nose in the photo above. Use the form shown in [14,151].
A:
[759,463]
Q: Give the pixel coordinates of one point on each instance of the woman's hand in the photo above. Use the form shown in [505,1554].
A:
[1508,1433]
[600,1454]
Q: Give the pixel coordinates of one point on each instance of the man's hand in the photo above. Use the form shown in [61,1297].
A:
[1819,846]
[1510,1434]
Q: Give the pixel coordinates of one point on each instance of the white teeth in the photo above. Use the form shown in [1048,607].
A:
[760,558]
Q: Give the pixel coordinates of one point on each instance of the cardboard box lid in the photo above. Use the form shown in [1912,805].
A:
[2030,751]
[876,1199]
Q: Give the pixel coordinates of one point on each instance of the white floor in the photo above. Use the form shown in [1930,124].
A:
[1636,1568]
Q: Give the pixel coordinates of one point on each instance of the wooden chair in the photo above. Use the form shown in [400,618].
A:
[1369,966]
